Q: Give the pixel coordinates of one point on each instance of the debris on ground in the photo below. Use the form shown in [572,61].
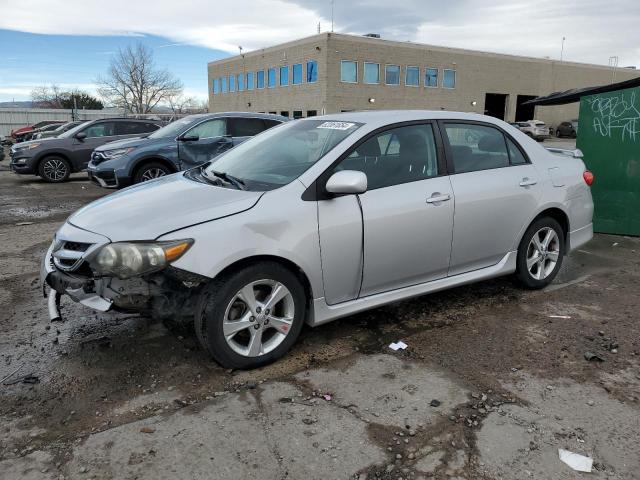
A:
[327,397]
[29,379]
[566,317]
[435,403]
[22,224]
[12,373]
[147,430]
[578,462]
[399,345]
[592,357]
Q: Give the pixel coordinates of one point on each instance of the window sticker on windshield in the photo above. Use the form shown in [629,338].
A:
[336,125]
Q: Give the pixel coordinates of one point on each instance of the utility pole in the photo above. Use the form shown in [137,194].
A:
[331,16]
[562,49]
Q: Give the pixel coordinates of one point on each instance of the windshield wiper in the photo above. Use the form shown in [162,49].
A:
[239,184]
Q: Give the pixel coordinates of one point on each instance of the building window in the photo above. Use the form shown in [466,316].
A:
[284,76]
[260,79]
[216,86]
[348,71]
[431,77]
[271,78]
[392,74]
[371,73]
[448,78]
[223,85]
[232,83]
[297,74]
[284,113]
[312,71]
[412,77]
[250,81]
[312,113]
[297,114]
[241,82]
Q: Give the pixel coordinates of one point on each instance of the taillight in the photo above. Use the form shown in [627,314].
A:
[588,177]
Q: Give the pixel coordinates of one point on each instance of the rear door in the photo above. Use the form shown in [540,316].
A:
[98,134]
[497,191]
[134,129]
[243,128]
[203,142]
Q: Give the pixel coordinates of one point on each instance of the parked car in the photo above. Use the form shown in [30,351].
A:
[19,134]
[32,134]
[2,154]
[54,159]
[567,129]
[183,144]
[536,129]
[321,218]
[56,130]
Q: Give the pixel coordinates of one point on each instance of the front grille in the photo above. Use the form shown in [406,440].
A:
[69,255]
[76,246]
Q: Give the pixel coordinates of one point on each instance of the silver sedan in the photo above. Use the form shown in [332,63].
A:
[321,218]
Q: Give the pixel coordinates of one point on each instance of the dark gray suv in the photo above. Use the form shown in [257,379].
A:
[54,159]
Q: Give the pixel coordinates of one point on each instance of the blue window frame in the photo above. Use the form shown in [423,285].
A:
[250,81]
[297,74]
[392,74]
[412,77]
[223,85]
[216,86]
[232,83]
[371,73]
[312,71]
[241,82]
[448,78]
[271,78]
[348,71]
[431,77]
[260,79]
[284,75]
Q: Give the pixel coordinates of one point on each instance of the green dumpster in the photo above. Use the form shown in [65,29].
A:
[609,137]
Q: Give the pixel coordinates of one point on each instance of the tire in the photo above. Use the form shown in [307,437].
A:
[150,171]
[558,134]
[223,299]
[574,134]
[538,275]
[54,169]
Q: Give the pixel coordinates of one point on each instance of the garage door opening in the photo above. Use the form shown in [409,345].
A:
[524,112]
[495,105]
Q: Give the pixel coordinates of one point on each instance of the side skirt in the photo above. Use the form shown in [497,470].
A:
[323,313]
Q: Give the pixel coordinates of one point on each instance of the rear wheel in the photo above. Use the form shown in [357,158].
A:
[151,171]
[540,253]
[251,317]
[54,169]
[558,133]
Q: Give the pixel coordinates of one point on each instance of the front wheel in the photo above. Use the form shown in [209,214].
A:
[540,253]
[54,169]
[150,171]
[251,317]
[558,133]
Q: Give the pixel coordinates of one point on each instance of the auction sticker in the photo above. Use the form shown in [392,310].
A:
[336,125]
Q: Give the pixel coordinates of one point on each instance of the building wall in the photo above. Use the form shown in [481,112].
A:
[477,73]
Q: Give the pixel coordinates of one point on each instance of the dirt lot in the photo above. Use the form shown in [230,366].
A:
[493,382]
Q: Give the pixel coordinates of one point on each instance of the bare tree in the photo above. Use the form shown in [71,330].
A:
[48,96]
[180,104]
[134,82]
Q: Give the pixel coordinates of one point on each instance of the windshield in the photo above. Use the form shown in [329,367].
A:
[73,131]
[281,154]
[173,129]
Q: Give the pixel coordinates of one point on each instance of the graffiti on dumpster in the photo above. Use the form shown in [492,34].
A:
[616,115]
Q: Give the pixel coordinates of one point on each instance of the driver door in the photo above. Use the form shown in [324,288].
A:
[97,134]
[203,142]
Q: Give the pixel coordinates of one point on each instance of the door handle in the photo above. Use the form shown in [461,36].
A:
[436,198]
[527,182]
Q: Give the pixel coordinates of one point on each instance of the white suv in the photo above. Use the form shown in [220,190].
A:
[536,129]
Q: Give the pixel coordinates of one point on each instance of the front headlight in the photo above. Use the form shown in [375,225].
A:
[130,259]
[26,147]
[115,153]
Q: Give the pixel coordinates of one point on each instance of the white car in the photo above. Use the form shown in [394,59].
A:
[536,129]
[321,218]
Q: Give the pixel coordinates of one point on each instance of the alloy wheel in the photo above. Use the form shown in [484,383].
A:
[152,173]
[543,253]
[258,318]
[54,169]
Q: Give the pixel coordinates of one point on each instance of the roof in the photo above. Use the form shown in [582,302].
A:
[385,117]
[574,95]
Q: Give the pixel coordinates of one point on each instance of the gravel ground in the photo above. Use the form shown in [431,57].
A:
[493,382]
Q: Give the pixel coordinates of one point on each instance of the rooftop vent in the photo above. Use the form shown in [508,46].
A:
[372,35]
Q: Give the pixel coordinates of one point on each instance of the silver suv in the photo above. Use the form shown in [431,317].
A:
[321,218]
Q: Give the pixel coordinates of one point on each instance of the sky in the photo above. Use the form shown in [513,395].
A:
[70,42]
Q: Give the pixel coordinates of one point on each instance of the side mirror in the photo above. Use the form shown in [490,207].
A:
[189,138]
[80,135]
[347,182]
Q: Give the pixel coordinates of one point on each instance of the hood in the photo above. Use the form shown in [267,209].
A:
[130,142]
[150,209]
[19,145]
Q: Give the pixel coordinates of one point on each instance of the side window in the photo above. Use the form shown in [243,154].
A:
[396,156]
[476,147]
[209,129]
[102,129]
[132,128]
[515,154]
[245,127]
[271,123]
